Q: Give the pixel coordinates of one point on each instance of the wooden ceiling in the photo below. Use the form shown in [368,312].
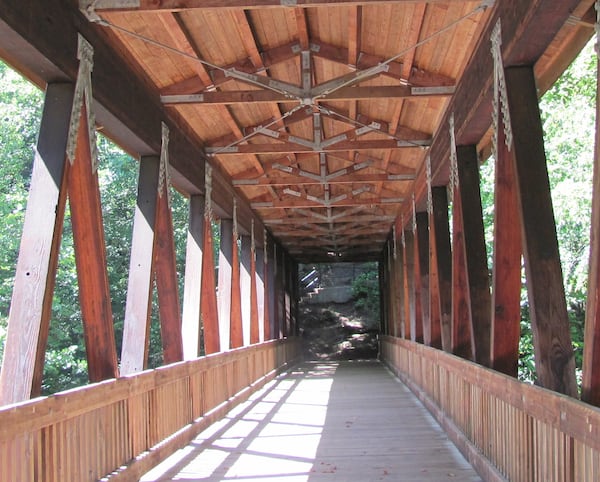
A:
[320,114]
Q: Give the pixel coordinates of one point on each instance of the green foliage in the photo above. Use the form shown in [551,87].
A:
[365,290]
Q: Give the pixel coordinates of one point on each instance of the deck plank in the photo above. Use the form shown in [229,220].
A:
[330,421]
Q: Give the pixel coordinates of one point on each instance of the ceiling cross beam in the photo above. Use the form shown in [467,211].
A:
[177,5]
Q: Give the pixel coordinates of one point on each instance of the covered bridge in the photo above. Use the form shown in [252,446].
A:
[315,131]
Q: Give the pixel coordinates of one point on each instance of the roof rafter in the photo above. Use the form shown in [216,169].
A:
[175,5]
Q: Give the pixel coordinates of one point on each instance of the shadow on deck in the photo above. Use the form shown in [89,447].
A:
[322,421]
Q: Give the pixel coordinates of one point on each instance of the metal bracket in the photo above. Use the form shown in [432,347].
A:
[164,176]
[500,102]
[453,161]
[83,93]
[429,193]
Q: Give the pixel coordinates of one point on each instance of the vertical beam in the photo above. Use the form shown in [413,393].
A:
[236,334]
[461,308]
[208,300]
[423,261]
[268,284]
[254,318]
[383,294]
[476,254]
[166,281]
[190,323]
[246,285]
[415,275]
[31,304]
[408,285]
[555,363]
[275,293]
[136,328]
[590,389]
[506,281]
[260,292]
[441,269]
[224,283]
[401,322]
[90,259]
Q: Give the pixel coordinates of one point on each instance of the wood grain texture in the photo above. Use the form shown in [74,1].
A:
[462,337]
[167,285]
[208,302]
[236,332]
[29,316]
[475,250]
[443,259]
[225,280]
[90,259]
[423,280]
[555,363]
[192,287]
[136,327]
[507,252]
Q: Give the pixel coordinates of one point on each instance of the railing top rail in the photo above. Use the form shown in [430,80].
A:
[571,416]
[37,413]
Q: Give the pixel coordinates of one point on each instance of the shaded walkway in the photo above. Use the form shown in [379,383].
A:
[323,421]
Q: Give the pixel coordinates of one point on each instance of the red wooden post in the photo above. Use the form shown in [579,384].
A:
[31,304]
[416,280]
[90,259]
[267,279]
[461,308]
[236,335]
[166,281]
[506,282]
[254,318]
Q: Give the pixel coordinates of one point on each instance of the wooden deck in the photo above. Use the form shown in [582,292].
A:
[346,421]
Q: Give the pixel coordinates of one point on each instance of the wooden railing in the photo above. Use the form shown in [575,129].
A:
[119,429]
[507,429]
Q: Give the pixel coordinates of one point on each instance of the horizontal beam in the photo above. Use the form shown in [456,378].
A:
[290,147]
[344,93]
[304,181]
[307,203]
[177,5]
[303,220]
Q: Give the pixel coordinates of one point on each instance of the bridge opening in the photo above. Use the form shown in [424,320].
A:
[339,310]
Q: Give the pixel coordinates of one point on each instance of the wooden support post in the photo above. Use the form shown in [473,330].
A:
[423,262]
[555,363]
[268,298]
[276,294]
[506,282]
[136,328]
[192,287]
[30,308]
[476,254]
[224,283]
[408,285]
[401,322]
[236,332]
[415,274]
[260,292]
[590,389]
[90,259]
[383,295]
[246,287]
[254,313]
[166,281]
[462,337]
[441,271]
[208,301]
